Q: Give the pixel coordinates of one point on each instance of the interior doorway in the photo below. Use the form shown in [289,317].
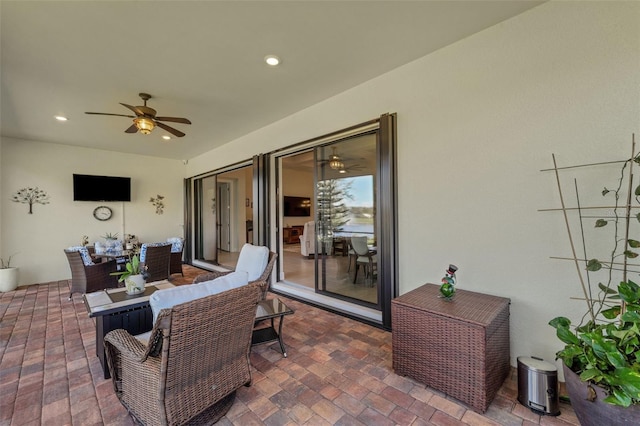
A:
[223,209]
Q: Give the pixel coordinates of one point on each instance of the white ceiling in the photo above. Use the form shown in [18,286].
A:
[204,60]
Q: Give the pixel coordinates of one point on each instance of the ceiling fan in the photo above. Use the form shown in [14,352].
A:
[145,119]
[336,162]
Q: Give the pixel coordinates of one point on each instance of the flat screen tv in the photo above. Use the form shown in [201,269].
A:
[101,188]
[297,206]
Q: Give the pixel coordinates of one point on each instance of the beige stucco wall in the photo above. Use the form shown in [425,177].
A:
[39,238]
[477,121]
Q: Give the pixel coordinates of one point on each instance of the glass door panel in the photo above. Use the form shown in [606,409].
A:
[223,216]
[345,209]
[206,247]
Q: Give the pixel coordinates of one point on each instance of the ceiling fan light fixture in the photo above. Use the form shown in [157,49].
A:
[145,125]
[335,163]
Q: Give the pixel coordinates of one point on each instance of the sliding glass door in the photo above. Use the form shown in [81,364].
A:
[345,215]
[223,215]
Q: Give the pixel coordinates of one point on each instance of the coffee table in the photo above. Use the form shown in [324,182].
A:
[270,309]
[114,308]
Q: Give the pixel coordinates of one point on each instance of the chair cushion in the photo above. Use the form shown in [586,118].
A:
[167,298]
[84,253]
[143,249]
[176,244]
[253,260]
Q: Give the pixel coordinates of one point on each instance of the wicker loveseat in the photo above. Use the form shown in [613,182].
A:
[196,357]
[257,261]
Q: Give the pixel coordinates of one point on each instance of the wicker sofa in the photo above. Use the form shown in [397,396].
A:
[196,357]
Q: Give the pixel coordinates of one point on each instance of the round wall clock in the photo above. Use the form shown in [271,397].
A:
[102,213]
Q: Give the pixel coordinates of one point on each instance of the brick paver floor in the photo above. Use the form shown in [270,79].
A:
[338,371]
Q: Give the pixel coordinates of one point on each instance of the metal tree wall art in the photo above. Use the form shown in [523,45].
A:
[158,203]
[31,196]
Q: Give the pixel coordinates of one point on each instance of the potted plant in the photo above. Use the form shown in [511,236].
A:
[601,356]
[134,275]
[8,275]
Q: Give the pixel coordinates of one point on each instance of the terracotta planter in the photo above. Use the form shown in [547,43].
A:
[8,279]
[598,412]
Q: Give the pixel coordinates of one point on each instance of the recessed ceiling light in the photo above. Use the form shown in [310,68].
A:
[166,137]
[61,118]
[272,60]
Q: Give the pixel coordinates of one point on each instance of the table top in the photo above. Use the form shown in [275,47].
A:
[272,308]
[105,302]
[114,254]
[477,308]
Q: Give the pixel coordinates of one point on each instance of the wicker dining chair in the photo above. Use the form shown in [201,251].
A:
[195,359]
[86,276]
[175,265]
[264,280]
[156,259]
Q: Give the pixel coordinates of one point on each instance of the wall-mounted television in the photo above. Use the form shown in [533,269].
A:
[101,188]
[297,206]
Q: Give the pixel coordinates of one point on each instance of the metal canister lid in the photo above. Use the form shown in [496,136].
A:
[537,364]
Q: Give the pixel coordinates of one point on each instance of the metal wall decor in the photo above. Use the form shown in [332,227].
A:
[31,196]
[158,203]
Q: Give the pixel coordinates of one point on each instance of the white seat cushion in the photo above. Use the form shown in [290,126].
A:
[253,260]
[167,298]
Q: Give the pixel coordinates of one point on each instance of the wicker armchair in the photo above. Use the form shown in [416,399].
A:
[89,277]
[156,259]
[263,280]
[196,358]
[175,266]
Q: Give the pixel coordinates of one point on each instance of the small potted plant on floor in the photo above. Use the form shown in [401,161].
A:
[133,276]
[601,356]
[8,275]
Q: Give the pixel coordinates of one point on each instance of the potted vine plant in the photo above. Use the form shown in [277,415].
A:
[8,275]
[134,276]
[601,356]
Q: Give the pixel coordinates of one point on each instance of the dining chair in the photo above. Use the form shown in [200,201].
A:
[156,258]
[175,266]
[365,257]
[87,276]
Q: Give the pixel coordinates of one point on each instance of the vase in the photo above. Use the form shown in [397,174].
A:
[447,291]
[134,284]
[597,412]
[8,279]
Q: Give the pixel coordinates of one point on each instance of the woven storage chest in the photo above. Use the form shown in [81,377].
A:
[460,347]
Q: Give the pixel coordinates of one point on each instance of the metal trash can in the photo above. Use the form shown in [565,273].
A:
[538,385]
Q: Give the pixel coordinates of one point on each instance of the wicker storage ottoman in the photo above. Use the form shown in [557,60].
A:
[459,347]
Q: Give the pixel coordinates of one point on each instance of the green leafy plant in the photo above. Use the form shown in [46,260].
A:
[605,347]
[132,267]
[110,236]
[608,353]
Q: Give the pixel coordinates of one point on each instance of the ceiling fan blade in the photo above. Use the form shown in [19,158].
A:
[106,113]
[174,132]
[135,109]
[132,129]
[174,119]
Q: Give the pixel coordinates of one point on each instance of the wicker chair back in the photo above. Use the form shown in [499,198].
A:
[202,349]
[89,278]
[157,261]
